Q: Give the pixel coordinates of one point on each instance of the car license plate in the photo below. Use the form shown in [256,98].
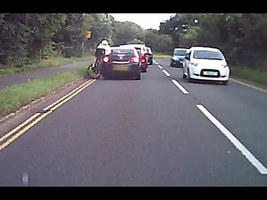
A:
[210,73]
[120,68]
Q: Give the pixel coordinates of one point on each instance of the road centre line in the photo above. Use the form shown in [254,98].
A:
[15,133]
[166,73]
[19,127]
[180,86]
[73,91]
[253,160]
[159,66]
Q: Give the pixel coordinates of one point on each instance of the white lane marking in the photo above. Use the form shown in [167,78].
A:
[180,87]
[249,85]
[159,67]
[254,161]
[166,73]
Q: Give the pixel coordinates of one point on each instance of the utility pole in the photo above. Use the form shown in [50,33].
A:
[83,18]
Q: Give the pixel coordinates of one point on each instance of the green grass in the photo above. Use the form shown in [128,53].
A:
[51,62]
[16,96]
[161,56]
[255,76]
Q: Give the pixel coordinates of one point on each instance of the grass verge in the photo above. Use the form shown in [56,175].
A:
[254,76]
[161,56]
[51,62]
[17,96]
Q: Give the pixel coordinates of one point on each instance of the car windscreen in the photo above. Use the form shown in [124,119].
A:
[206,54]
[179,52]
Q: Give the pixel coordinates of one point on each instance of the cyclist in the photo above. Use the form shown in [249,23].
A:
[104,45]
[102,49]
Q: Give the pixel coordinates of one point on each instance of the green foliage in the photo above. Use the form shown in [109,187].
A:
[255,76]
[125,32]
[241,36]
[26,36]
[16,96]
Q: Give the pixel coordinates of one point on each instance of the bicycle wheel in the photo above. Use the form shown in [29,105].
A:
[92,72]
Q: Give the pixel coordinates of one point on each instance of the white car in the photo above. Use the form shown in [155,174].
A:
[205,63]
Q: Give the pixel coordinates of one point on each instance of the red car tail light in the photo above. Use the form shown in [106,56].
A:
[143,59]
[134,60]
[106,59]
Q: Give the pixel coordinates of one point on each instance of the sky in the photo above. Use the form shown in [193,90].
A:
[145,20]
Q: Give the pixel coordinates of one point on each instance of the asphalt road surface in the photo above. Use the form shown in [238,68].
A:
[157,131]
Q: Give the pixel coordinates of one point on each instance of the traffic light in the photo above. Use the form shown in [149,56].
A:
[88,35]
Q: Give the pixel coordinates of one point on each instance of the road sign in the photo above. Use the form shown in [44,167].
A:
[88,34]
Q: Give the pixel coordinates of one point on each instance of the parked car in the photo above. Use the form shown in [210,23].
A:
[206,63]
[141,49]
[177,58]
[149,55]
[122,61]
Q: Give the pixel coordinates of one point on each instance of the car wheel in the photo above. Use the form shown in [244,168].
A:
[188,76]
[138,77]
[184,76]
[171,64]
[224,82]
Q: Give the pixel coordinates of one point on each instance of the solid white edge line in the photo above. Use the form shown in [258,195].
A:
[166,73]
[248,85]
[254,161]
[180,87]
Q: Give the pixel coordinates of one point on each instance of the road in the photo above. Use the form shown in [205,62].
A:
[157,131]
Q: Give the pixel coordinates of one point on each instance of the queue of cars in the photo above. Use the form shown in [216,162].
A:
[128,59]
[197,63]
[122,61]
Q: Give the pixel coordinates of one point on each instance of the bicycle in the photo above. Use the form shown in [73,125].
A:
[94,70]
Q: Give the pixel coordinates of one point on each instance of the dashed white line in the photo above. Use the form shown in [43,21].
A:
[180,87]
[254,161]
[159,67]
[166,73]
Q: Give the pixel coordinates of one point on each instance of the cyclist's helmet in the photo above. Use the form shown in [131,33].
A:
[104,42]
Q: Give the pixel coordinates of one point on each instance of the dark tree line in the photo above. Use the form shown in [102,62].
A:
[28,37]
